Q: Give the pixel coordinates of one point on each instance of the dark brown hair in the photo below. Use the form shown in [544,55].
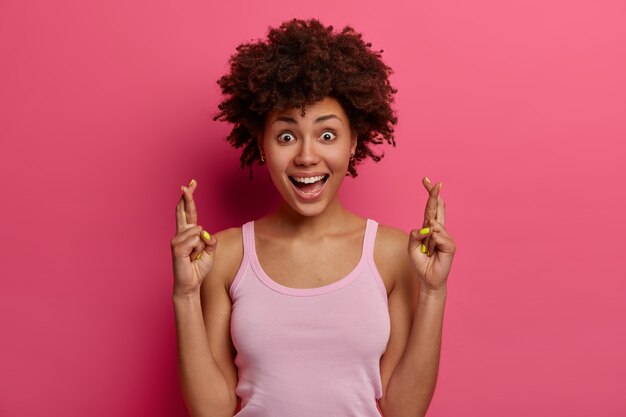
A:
[299,63]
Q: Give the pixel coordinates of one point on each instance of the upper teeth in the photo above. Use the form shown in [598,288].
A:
[308,180]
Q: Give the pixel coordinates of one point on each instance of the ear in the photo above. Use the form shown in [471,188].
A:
[354,143]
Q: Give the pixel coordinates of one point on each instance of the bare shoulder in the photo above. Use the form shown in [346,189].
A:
[228,254]
[391,235]
[391,254]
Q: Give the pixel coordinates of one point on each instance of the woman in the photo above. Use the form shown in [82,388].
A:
[310,310]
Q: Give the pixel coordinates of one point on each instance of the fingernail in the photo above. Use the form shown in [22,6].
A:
[191,183]
[199,256]
[423,248]
[206,235]
[427,180]
[440,185]
[424,231]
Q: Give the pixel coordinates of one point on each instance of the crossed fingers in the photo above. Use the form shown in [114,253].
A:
[435,206]
[186,214]
[434,213]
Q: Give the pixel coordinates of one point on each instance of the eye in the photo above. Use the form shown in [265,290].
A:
[328,136]
[286,137]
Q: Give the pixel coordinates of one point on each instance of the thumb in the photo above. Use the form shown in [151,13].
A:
[210,245]
[417,237]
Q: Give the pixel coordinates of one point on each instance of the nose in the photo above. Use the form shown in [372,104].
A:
[307,154]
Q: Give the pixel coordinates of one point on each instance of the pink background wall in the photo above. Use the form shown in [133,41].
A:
[517,106]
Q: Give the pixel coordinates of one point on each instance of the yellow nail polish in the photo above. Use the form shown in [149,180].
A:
[424,231]
[199,256]
[206,235]
[191,183]
[423,248]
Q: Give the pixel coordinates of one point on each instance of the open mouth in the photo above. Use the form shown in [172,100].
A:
[311,186]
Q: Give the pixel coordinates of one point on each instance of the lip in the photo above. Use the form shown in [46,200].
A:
[306,196]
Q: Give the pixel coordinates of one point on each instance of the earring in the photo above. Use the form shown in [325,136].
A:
[262,158]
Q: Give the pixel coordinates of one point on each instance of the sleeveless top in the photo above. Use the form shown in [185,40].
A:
[309,352]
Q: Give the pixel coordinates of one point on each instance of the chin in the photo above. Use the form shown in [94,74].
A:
[309,210]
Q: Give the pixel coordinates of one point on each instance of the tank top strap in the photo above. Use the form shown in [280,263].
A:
[368,254]
[370,237]
[247,231]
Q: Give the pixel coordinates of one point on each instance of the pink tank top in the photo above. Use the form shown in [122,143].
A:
[309,352]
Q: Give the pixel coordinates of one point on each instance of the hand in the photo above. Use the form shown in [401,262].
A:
[434,265]
[192,252]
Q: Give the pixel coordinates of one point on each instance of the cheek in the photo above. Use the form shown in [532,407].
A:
[340,159]
[276,169]
[277,162]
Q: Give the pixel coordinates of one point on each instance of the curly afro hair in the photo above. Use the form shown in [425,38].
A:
[302,62]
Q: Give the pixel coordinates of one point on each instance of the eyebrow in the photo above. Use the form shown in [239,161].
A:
[291,120]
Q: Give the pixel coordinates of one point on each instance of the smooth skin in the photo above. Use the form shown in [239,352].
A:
[292,145]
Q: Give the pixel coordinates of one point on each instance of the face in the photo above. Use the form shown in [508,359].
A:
[307,157]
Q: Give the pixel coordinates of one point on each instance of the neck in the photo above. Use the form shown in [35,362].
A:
[290,222]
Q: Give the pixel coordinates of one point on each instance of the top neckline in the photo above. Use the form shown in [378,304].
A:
[342,282]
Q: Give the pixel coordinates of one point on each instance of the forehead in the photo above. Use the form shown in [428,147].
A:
[325,107]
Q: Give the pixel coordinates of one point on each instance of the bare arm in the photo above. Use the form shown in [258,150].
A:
[410,364]
[412,383]
[202,308]
[205,389]
[206,353]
